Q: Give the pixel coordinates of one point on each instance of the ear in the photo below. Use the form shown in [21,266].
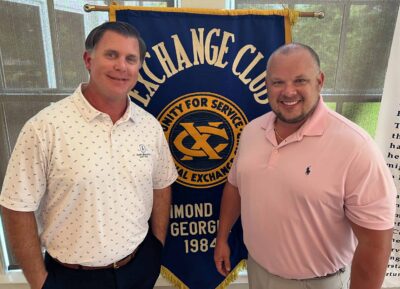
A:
[87,59]
[321,79]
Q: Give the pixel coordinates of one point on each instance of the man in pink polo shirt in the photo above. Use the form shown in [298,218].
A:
[316,198]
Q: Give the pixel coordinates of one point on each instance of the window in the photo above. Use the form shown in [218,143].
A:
[20,35]
[70,43]
[353,41]
[149,3]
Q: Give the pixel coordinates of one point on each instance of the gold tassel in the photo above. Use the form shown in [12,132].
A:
[172,278]
[293,16]
[233,275]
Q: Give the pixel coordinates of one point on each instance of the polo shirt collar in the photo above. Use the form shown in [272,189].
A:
[129,112]
[89,113]
[314,125]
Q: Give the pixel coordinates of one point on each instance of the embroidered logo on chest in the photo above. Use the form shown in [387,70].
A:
[143,152]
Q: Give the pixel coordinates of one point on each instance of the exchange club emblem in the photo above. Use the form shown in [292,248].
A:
[203,132]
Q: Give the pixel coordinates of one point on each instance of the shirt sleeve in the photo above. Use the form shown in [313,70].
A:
[165,171]
[232,176]
[370,193]
[25,180]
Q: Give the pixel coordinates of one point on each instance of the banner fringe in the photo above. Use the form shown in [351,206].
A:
[175,281]
[233,275]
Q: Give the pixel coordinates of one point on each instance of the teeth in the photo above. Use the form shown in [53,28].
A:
[290,102]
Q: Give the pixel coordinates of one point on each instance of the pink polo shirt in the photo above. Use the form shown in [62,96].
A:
[297,197]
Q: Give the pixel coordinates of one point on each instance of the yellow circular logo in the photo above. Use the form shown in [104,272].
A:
[203,132]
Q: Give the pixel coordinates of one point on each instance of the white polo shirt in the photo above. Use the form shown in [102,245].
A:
[90,181]
[297,197]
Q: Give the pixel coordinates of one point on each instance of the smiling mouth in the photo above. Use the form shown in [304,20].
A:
[290,103]
[117,78]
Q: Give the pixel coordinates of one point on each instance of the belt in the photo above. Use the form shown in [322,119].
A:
[340,271]
[114,265]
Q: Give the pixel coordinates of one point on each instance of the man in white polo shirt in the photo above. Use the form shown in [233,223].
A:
[96,169]
[316,199]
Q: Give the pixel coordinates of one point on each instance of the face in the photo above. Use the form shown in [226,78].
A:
[294,84]
[113,65]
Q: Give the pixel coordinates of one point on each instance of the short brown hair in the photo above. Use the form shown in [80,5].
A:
[119,27]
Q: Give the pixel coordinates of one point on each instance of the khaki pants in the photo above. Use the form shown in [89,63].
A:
[259,278]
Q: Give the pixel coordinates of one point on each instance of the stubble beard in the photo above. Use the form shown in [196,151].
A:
[299,119]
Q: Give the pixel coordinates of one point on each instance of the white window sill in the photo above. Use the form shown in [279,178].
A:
[16,280]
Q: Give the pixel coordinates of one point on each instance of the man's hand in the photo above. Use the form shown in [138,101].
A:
[222,253]
[229,213]
[40,282]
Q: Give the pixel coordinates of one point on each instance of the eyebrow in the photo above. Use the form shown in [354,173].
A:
[132,55]
[111,50]
[116,51]
[301,76]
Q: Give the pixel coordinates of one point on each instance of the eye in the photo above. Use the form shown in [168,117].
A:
[132,59]
[300,81]
[111,54]
[277,83]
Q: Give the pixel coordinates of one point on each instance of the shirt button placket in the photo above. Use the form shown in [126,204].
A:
[273,159]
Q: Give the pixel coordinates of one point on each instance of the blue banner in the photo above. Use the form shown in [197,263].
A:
[204,80]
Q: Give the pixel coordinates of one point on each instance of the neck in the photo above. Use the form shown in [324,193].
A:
[284,129]
[115,108]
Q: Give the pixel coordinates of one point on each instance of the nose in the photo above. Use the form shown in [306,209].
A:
[120,64]
[289,90]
